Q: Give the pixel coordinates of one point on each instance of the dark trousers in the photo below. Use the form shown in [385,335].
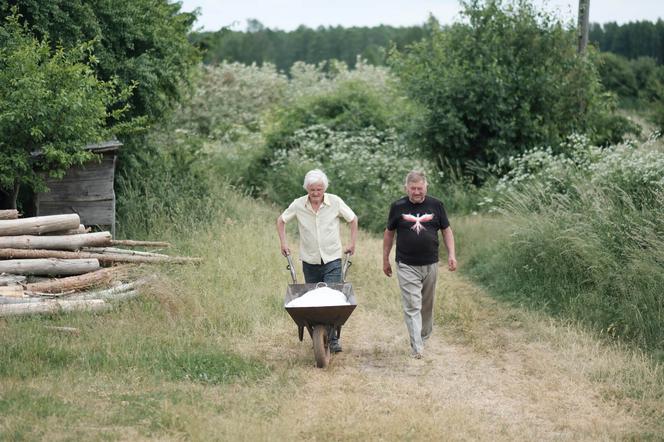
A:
[329,273]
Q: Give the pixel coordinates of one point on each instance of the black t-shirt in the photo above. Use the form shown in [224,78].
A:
[417,227]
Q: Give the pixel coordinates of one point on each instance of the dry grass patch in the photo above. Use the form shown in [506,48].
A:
[491,371]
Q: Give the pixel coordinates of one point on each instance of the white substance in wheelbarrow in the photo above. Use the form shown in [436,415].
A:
[320,297]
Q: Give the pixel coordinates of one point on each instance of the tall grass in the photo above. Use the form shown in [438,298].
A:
[595,254]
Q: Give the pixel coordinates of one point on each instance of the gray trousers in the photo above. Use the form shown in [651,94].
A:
[418,287]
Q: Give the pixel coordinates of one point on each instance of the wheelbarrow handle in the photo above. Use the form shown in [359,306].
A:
[346,264]
[291,267]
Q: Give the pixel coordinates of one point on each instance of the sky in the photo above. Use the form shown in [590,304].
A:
[287,15]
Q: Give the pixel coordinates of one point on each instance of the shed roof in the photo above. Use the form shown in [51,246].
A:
[104,146]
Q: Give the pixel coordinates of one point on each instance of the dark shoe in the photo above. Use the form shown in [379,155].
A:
[335,347]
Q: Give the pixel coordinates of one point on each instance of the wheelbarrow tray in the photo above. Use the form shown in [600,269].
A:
[335,315]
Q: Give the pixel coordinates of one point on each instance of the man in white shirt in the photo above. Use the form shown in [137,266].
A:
[318,215]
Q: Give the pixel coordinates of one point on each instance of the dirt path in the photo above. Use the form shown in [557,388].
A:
[520,392]
[490,373]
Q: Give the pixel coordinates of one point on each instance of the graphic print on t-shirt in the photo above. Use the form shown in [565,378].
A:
[417,219]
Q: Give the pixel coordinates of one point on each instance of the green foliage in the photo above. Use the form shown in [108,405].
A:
[505,80]
[585,237]
[283,49]
[658,117]
[50,101]
[631,40]
[139,42]
[167,186]
[639,81]
[617,75]
[639,84]
[339,99]
[351,107]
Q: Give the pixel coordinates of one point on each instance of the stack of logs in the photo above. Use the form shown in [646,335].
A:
[75,260]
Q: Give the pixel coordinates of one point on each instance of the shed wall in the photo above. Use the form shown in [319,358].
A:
[86,190]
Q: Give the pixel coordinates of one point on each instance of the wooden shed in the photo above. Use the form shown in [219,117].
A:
[86,190]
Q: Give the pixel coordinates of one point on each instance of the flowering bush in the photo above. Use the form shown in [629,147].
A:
[231,99]
[629,166]
[323,78]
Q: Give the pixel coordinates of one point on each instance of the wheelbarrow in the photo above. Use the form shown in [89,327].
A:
[319,321]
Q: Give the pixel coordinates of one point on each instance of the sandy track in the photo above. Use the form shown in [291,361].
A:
[490,372]
[506,386]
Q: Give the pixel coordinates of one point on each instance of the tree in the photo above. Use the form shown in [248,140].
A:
[141,42]
[50,101]
[505,79]
[631,40]
[263,45]
[618,75]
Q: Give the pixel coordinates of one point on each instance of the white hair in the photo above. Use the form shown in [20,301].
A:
[315,176]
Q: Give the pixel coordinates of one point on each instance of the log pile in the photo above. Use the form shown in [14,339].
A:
[85,269]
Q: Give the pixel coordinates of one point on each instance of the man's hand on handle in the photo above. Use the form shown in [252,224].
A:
[285,250]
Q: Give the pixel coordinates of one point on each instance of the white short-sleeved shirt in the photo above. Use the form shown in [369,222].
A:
[319,231]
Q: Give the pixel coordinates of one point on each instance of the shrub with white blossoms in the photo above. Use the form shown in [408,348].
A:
[232,99]
[307,79]
[630,166]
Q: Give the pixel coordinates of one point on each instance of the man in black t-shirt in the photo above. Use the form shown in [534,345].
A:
[415,220]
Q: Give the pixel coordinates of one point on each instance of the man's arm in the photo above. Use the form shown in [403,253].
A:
[281,230]
[448,239]
[353,237]
[388,240]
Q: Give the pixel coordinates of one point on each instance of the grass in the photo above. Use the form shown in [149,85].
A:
[208,352]
[595,257]
[134,363]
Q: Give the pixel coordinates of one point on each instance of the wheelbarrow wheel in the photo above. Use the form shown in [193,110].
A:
[321,346]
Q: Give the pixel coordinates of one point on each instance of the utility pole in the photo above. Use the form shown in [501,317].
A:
[584,13]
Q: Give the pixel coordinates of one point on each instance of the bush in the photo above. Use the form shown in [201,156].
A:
[350,106]
[50,101]
[630,167]
[230,100]
[617,75]
[505,80]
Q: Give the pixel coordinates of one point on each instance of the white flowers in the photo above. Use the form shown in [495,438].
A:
[628,165]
